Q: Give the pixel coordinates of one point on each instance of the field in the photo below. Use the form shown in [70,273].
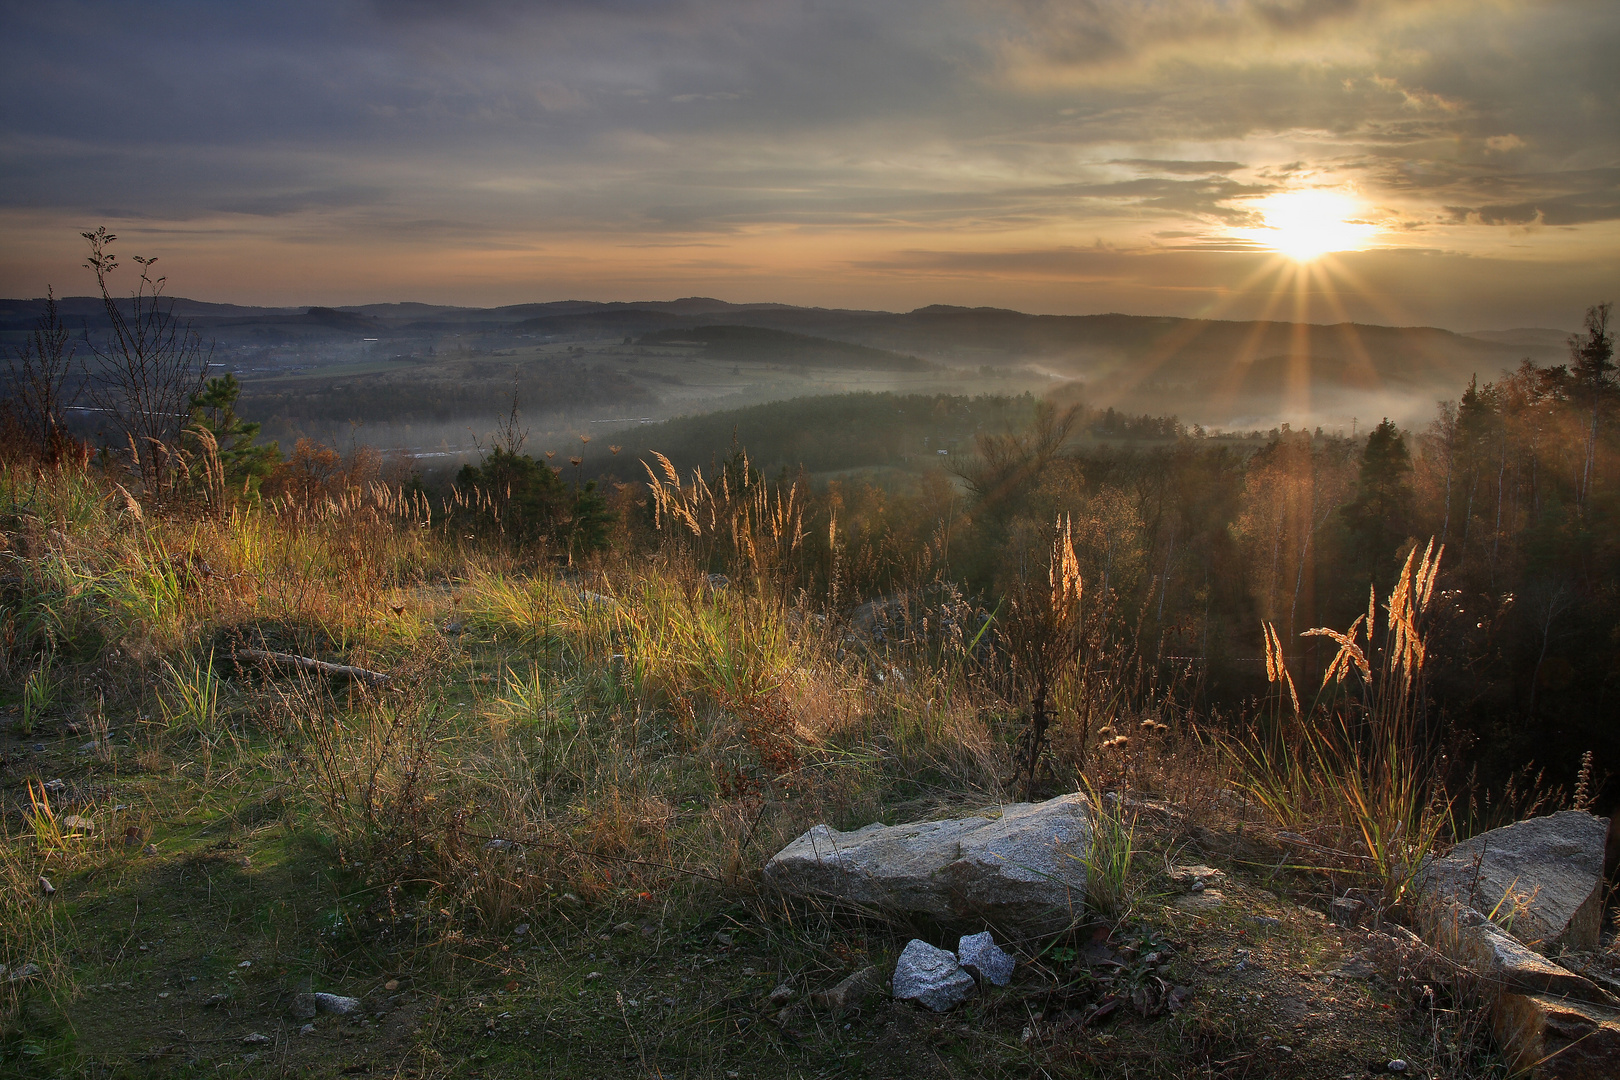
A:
[536,845]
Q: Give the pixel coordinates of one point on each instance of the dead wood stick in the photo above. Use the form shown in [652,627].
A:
[309,664]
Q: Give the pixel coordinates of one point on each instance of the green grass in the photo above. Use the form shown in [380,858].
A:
[562,776]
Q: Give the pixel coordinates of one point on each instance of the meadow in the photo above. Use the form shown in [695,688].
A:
[530,837]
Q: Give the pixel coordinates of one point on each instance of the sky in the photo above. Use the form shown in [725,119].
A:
[1059,157]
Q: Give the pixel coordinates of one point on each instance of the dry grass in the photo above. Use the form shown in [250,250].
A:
[1355,773]
[627,741]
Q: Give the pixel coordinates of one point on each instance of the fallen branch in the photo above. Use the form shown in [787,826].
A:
[375,678]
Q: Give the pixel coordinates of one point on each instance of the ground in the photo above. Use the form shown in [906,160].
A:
[187,944]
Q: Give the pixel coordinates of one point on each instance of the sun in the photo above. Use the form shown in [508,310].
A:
[1306,224]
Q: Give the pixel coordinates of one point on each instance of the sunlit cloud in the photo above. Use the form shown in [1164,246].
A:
[839,152]
[1308,223]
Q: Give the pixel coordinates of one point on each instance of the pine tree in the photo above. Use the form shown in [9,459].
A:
[1380,517]
[1593,372]
[213,410]
[526,499]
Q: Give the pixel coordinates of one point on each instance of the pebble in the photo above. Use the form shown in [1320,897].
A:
[391,985]
[307,1029]
[850,991]
[522,928]
[1396,1065]
[256,1038]
[1348,911]
[783,994]
[307,1005]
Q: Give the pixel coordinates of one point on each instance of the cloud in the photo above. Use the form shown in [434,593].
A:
[1180,167]
[822,128]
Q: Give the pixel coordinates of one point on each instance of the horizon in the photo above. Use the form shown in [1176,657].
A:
[1439,164]
[305,307]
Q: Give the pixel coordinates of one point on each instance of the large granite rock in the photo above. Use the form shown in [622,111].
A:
[1504,964]
[1553,1038]
[1025,865]
[1541,879]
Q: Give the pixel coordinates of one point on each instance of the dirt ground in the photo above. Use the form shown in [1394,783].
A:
[184,955]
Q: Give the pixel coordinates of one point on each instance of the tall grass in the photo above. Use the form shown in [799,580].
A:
[38,692]
[1357,767]
[1113,884]
[190,697]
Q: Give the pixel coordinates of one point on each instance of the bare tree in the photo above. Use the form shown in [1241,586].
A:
[150,366]
[40,394]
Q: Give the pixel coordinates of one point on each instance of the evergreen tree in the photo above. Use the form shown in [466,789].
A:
[1593,372]
[525,501]
[592,520]
[1380,517]
[213,409]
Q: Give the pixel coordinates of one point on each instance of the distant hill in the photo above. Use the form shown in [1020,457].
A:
[1535,337]
[740,343]
[1219,372]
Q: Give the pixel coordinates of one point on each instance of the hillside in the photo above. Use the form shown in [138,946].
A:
[1220,374]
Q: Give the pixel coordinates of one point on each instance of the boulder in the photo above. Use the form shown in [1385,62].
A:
[1503,962]
[1540,879]
[1025,864]
[931,977]
[1552,1038]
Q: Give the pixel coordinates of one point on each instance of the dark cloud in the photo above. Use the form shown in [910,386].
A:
[1196,168]
[699,121]
[292,202]
[1304,14]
